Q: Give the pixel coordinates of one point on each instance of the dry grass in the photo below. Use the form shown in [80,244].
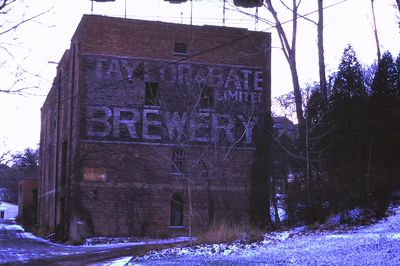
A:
[226,233]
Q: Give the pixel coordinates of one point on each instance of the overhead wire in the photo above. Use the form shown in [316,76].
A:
[251,33]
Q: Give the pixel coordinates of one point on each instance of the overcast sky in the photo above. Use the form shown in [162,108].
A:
[36,45]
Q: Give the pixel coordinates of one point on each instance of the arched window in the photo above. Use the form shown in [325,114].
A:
[176,210]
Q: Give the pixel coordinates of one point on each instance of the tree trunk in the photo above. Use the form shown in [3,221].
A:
[289,50]
[308,165]
[378,49]
[298,99]
[321,58]
[190,210]
[275,203]
[287,204]
[368,172]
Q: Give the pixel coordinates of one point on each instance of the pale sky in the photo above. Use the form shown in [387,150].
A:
[43,41]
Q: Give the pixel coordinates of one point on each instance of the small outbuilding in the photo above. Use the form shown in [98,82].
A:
[27,200]
[8,211]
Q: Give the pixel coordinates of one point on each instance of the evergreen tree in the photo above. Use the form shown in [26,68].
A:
[384,82]
[383,148]
[346,143]
[260,177]
[397,74]
[349,81]
[29,159]
[318,128]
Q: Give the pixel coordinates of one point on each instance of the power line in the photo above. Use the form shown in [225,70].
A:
[206,50]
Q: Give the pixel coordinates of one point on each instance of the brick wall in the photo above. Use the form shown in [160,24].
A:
[106,165]
[135,197]
[27,200]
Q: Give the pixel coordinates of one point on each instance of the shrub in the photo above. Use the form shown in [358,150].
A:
[223,232]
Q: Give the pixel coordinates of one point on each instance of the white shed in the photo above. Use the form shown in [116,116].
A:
[8,211]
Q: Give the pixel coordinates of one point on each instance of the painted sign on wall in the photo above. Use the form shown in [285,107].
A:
[194,103]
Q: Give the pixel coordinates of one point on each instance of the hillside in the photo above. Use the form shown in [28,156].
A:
[377,244]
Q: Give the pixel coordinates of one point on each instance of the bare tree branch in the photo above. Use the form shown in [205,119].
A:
[290,54]
[24,21]
[5,158]
[5,3]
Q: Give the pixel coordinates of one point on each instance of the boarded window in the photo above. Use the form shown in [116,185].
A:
[151,93]
[180,48]
[207,97]
[94,174]
[176,211]
[178,161]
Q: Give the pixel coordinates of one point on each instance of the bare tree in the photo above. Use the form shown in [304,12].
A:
[199,114]
[289,50]
[204,163]
[320,44]
[397,6]
[4,4]
[321,57]
[378,49]
[10,22]
[5,158]
[13,167]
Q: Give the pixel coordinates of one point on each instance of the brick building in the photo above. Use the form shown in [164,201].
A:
[27,200]
[145,119]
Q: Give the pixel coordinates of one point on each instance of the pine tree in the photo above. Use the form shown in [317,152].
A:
[260,177]
[346,144]
[384,148]
[384,83]
[349,79]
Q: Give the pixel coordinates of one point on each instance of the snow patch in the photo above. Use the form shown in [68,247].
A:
[281,213]
[395,236]
[282,235]
[120,242]
[13,227]
[42,240]
[377,244]
[116,262]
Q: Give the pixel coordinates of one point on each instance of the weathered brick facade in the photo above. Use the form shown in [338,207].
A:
[146,119]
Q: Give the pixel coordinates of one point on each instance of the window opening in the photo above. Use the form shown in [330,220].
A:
[178,161]
[206,97]
[176,211]
[1,214]
[151,93]
[63,162]
[180,48]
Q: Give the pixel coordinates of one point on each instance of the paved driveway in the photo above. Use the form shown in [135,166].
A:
[19,247]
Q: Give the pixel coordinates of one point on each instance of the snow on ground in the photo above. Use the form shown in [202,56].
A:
[12,227]
[115,262]
[18,246]
[377,244]
[119,242]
